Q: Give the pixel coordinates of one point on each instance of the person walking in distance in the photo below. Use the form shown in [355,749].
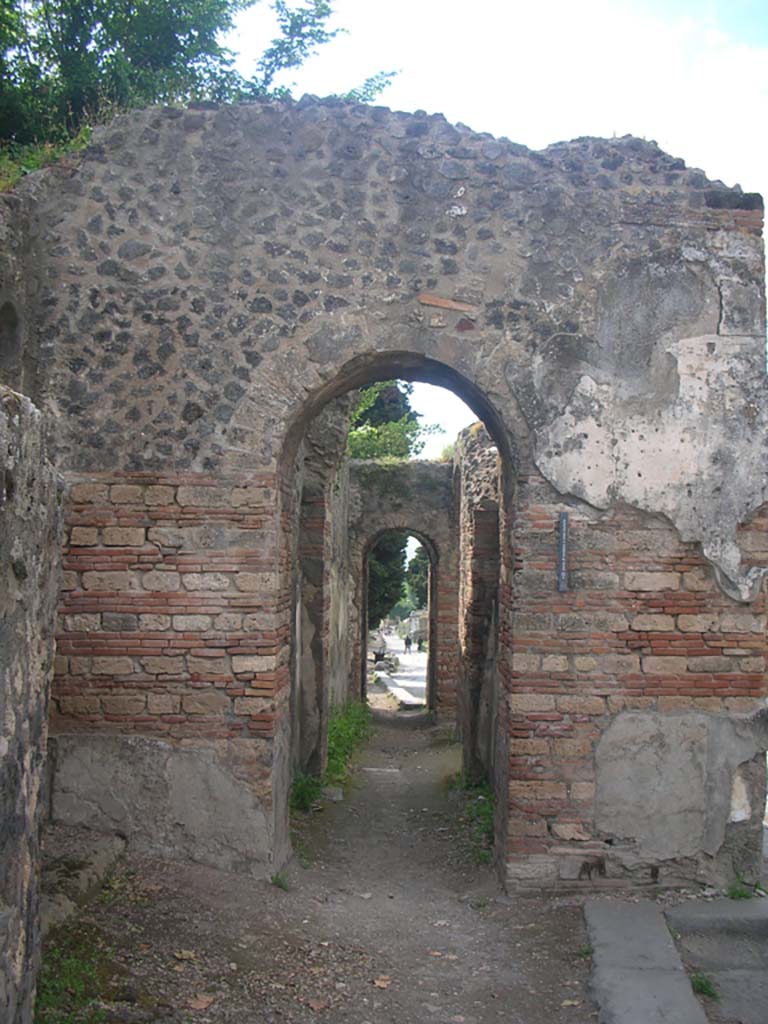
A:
[408,643]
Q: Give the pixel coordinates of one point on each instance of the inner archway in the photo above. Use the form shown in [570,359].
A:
[400,590]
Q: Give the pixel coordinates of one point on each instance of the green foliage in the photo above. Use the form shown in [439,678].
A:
[584,952]
[703,985]
[75,971]
[348,728]
[402,609]
[738,890]
[16,160]
[280,880]
[447,454]
[417,577]
[66,64]
[386,576]
[477,817]
[384,426]
[305,790]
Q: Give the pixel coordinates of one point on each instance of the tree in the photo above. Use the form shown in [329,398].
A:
[65,62]
[417,577]
[384,426]
[386,576]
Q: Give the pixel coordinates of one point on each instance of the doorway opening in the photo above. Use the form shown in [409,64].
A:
[340,513]
[400,617]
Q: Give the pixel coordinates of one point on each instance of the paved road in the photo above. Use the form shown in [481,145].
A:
[411,675]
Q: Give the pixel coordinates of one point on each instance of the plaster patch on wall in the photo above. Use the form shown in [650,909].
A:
[741,807]
[699,460]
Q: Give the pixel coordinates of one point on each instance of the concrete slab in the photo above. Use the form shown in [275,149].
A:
[739,917]
[637,977]
[728,941]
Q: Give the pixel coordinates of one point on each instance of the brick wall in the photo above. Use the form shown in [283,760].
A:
[168,618]
[643,626]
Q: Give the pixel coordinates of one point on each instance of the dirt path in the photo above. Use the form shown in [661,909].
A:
[385,920]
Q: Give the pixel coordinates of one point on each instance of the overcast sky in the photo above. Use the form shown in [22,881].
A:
[691,74]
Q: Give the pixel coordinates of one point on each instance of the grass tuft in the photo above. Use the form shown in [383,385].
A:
[280,880]
[76,970]
[738,890]
[703,985]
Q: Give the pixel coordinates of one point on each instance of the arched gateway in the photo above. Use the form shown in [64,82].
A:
[190,296]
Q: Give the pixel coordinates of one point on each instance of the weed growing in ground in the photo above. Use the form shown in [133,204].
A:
[584,952]
[703,985]
[348,728]
[76,969]
[739,890]
[477,816]
[305,790]
[280,880]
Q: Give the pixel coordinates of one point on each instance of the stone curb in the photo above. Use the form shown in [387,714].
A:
[637,974]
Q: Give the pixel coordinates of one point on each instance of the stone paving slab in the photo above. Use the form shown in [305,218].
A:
[728,941]
[637,977]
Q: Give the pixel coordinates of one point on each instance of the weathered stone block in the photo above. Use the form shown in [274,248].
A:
[83,536]
[554,663]
[653,581]
[154,623]
[108,581]
[128,704]
[205,703]
[252,582]
[162,665]
[85,622]
[522,662]
[244,663]
[158,494]
[664,665]
[111,666]
[206,581]
[577,705]
[163,704]
[89,494]
[522,703]
[126,494]
[191,623]
[161,581]
[653,623]
[123,536]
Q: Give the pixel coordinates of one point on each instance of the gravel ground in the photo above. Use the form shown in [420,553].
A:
[385,919]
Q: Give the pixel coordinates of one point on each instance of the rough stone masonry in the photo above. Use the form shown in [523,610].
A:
[184,303]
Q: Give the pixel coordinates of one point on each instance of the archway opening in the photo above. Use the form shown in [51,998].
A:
[334,511]
[400,619]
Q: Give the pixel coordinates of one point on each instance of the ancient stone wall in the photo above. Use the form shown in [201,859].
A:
[416,497]
[631,700]
[479,496]
[210,279]
[29,555]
